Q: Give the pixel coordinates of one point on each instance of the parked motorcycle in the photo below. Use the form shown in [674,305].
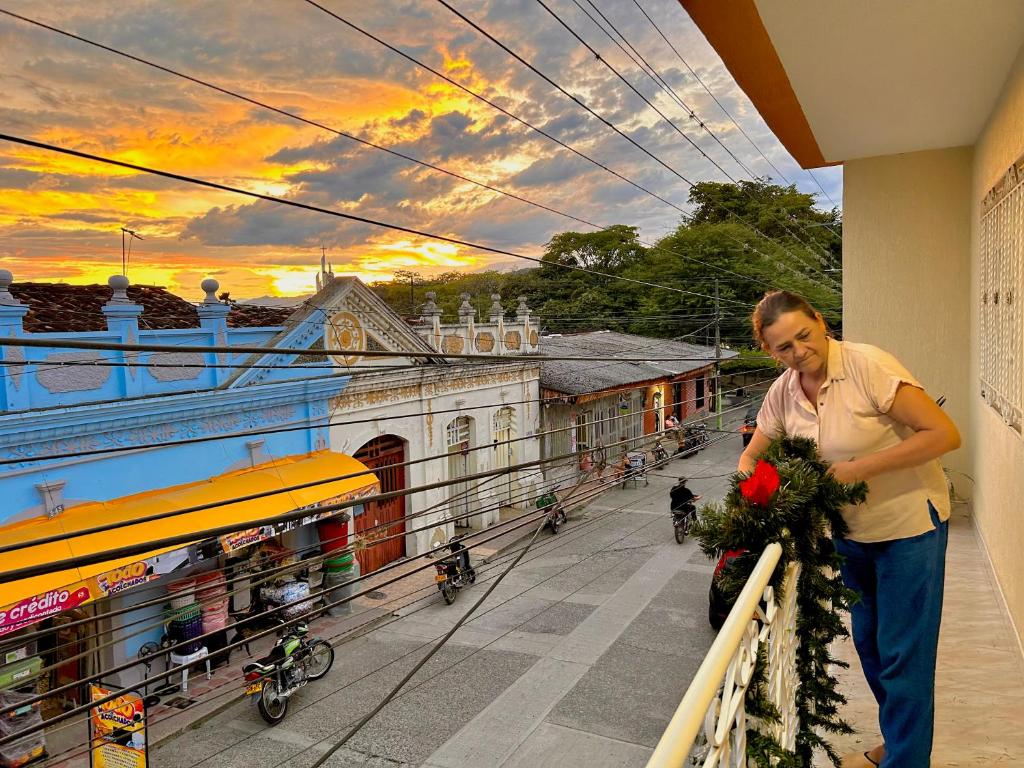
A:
[659,453]
[294,660]
[455,572]
[556,515]
[695,438]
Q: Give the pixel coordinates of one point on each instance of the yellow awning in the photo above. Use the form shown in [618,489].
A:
[275,475]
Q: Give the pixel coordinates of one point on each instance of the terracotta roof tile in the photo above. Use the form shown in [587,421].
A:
[63,308]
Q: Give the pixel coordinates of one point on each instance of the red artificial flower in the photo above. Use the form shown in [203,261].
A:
[759,487]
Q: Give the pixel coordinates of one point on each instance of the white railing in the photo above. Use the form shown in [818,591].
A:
[709,728]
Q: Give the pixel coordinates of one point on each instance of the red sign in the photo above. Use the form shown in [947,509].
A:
[38,607]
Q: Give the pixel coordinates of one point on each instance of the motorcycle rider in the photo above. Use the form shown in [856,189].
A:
[458,549]
[680,496]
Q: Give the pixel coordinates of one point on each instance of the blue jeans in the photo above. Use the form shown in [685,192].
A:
[896,633]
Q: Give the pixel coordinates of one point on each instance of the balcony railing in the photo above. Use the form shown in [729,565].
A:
[709,728]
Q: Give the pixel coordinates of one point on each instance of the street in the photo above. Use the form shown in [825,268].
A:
[579,657]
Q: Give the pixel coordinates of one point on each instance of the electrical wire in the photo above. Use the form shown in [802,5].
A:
[579,102]
[349,635]
[721,105]
[654,75]
[327,211]
[504,111]
[29,571]
[263,105]
[122,667]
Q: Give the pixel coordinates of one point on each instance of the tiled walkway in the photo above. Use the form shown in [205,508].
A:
[979,719]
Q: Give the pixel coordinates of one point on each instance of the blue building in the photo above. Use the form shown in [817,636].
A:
[84,443]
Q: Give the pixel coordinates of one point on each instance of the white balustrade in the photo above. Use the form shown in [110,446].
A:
[709,728]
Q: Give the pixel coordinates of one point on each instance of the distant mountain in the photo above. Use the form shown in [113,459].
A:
[276,301]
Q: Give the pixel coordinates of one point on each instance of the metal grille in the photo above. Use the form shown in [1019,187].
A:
[1002,247]
[458,431]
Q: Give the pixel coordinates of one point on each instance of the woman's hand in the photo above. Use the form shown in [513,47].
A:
[848,471]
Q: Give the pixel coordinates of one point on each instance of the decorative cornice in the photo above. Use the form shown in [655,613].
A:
[155,420]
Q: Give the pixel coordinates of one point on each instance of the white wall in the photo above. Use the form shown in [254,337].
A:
[906,272]
[421,420]
[998,452]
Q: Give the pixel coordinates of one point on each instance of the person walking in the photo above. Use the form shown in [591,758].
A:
[872,421]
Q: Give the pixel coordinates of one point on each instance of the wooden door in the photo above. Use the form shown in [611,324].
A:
[504,454]
[382,454]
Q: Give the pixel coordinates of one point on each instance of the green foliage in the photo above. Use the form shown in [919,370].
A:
[724,240]
[802,516]
[749,359]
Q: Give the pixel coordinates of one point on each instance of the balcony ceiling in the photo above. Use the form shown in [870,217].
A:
[872,77]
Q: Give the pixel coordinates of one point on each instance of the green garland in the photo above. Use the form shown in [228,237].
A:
[801,510]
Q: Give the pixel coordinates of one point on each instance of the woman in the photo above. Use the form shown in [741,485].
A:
[873,421]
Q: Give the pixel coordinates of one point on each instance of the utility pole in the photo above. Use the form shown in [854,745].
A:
[718,364]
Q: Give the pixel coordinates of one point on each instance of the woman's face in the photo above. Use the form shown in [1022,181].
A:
[798,341]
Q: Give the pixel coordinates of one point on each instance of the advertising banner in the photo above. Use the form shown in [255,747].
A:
[117,730]
[232,541]
[38,607]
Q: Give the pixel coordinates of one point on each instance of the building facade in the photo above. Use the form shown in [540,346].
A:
[603,407]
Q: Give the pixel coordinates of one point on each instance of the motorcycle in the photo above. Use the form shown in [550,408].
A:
[294,660]
[659,453]
[694,439]
[683,518]
[556,515]
[683,504]
[454,573]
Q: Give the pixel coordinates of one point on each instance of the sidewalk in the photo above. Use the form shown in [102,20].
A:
[205,698]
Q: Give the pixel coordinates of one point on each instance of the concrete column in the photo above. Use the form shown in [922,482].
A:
[213,318]
[15,384]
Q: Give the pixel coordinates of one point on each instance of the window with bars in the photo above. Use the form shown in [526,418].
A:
[1001,337]
[458,432]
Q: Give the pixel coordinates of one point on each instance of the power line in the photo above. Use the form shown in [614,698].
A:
[553,544]
[24,341]
[721,105]
[187,538]
[579,102]
[261,104]
[329,211]
[652,73]
[605,362]
[504,111]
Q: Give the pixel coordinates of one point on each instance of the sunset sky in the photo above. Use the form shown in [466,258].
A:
[60,217]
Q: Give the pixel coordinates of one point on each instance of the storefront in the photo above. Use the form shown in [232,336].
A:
[151,599]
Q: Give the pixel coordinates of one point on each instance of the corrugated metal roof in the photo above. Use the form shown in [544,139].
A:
[574,377]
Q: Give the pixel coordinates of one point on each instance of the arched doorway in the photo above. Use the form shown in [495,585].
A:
[383,455]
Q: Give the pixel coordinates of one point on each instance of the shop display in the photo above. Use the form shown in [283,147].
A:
[32,746]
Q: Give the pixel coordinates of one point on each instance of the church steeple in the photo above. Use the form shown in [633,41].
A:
[326,273]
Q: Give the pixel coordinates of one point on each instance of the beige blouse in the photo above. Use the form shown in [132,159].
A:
[851,422]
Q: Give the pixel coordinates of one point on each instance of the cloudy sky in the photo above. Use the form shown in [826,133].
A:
[61,218]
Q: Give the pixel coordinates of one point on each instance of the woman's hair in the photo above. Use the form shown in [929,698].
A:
[774,304]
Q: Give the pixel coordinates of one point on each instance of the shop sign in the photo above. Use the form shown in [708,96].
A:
[232,541]
[117,730]
[54,601]
[33,609]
